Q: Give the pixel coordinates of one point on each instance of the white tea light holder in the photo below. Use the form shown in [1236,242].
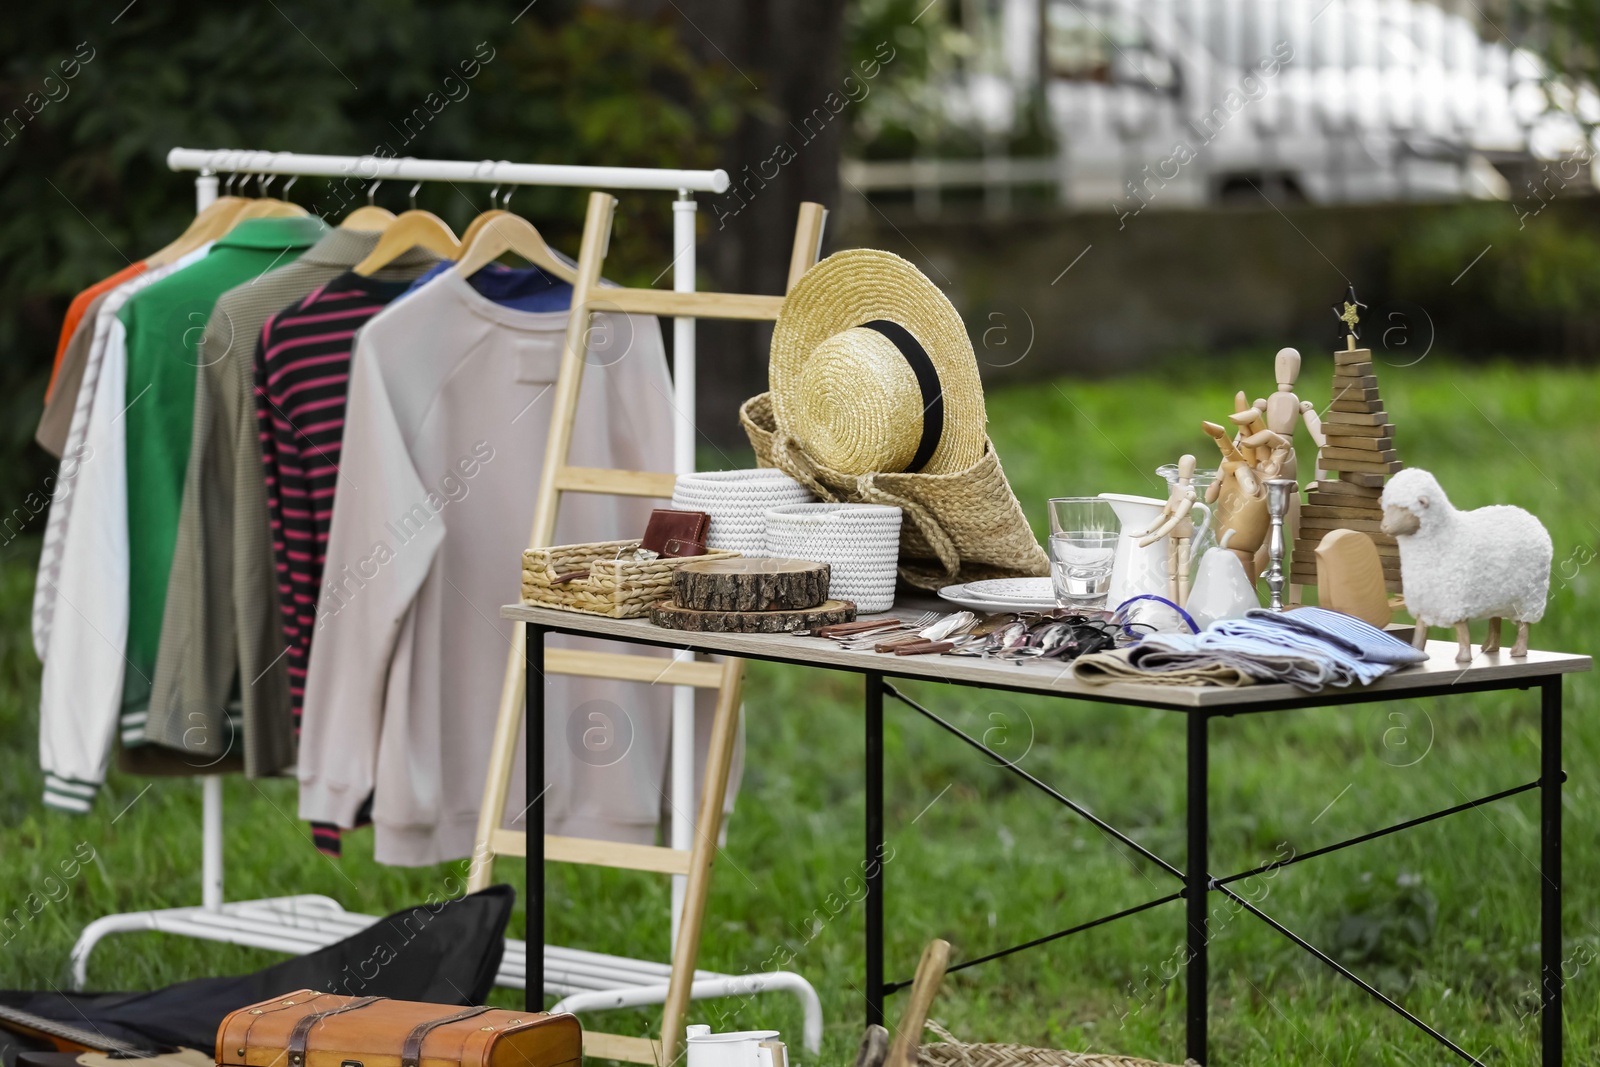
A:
[738,502]
[1221,589]
[859,542]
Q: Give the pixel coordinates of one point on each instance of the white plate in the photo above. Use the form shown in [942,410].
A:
[957,594]
[1022,589]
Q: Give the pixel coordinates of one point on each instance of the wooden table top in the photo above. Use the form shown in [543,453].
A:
[1496,670]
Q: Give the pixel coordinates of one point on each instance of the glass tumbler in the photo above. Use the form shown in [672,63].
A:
[1083,545]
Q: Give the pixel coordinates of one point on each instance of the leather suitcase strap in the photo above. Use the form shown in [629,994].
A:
[411,1051]
[302,1029]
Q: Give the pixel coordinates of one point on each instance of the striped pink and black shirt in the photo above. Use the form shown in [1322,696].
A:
[302,372]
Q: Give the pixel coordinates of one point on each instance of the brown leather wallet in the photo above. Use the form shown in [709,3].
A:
[676,533]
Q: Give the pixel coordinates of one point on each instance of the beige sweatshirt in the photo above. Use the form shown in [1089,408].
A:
[449,407]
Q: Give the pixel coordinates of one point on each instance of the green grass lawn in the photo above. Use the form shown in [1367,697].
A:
[1445,918]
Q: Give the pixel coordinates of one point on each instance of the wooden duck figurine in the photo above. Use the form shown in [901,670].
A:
[1350,577]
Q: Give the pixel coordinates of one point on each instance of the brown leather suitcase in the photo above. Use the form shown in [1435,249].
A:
[310,1029]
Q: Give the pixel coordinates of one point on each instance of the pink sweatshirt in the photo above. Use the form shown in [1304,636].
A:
[448,411]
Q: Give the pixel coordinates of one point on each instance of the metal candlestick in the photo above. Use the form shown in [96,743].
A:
[1279,492]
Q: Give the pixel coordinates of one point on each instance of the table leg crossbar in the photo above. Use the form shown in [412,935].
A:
[1340,968]
[1375,834]
[895,987]
[1060,798]
[1195,877]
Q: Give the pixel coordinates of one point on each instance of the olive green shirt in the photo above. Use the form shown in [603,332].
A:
[222,643]
[165,323]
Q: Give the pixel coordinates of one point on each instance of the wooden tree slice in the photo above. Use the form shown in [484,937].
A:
[748,583]
[668,614]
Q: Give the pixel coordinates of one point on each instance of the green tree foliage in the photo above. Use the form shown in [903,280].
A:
[1571,38]
[1513,272]
[605,90]
[935,46]
[84,188]
[907,113]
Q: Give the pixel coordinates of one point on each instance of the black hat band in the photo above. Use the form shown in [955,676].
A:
[927,381]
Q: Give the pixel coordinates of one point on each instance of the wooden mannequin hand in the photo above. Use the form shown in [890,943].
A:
[1169,519]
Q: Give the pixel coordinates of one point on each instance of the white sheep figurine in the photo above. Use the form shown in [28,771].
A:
[1456,566]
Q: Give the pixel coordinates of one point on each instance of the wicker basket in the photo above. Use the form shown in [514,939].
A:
[617,586]
[859,542]
[737,502]
[954,1053]
[959,527]
[876,1050]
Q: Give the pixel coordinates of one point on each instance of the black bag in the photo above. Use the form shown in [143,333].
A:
[444,953]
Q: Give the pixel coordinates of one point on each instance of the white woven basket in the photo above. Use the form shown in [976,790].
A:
[737,502]
[860,542]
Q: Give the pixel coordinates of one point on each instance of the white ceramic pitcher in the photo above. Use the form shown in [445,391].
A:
[1136,570]
[745,1048]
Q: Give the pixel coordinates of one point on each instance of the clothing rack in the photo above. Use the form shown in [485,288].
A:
[302,923]
[368,169]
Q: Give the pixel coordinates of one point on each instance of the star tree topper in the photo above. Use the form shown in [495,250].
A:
[1348,317]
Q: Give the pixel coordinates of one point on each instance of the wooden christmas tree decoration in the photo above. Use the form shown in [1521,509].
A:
[1359,456]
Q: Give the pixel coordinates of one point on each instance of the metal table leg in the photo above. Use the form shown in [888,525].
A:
[873,871]
[1197,895]
[533,774]
[1550,871]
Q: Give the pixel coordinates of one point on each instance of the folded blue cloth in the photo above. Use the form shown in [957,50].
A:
[1343,667]
[1348,632]
[1309,648]
[1262,658]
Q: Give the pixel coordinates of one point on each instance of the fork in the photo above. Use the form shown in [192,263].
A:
[905,626]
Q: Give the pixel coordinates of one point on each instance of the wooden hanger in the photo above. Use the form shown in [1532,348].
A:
[412,229]
[368,217]
[511,233]
[208,225]
[476,226]
[267,207]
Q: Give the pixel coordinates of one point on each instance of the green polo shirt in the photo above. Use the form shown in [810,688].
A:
[165,323]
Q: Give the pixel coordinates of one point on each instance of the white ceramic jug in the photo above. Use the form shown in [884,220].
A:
[745,1048]
[1136,570]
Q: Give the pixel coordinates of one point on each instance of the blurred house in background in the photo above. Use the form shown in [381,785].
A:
[1187,103]
[1099,185]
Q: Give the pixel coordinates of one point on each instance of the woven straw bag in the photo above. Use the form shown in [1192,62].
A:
[960,527]
[954,1053]
[737,502]
[860,543]
[877,1052]
[617,585]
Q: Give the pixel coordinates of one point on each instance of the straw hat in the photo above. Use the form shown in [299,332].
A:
[872,369]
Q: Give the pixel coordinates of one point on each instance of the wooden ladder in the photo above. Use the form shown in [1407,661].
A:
[557,477]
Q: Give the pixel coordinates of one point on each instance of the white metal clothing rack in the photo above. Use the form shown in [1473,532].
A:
[305,922]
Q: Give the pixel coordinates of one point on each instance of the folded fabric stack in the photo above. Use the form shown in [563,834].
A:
[1309,648]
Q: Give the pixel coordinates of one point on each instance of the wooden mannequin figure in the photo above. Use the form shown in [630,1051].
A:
[1176,524]
[1266,437]
[1270,422]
